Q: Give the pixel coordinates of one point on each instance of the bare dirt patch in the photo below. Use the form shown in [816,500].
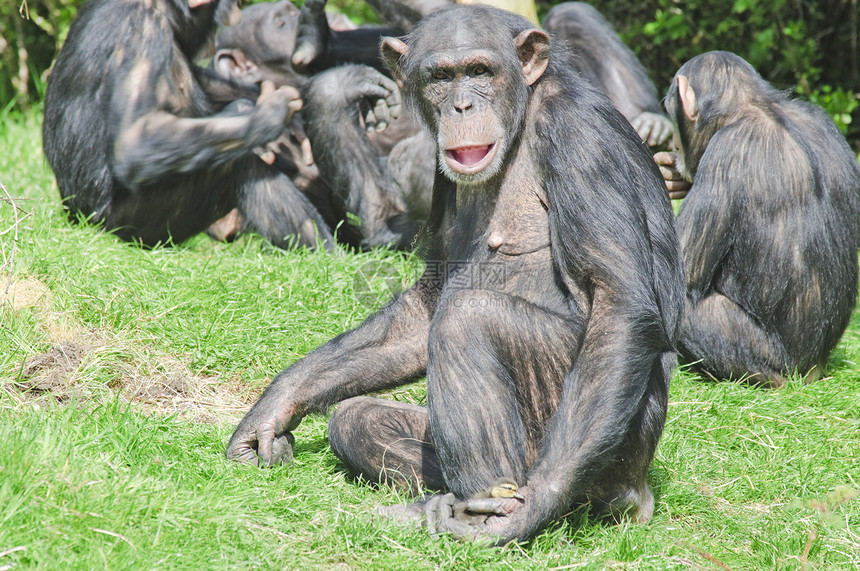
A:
[83,365]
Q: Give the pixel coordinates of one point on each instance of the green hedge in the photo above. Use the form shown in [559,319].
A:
[808,47]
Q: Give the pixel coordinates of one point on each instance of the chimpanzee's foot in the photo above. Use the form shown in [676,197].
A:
[635,504]
[226,228]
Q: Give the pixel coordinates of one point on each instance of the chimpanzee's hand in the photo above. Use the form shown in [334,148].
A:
[285,97]
[264,437]
[675,182]
[654,129]
[503,522]
[378,98]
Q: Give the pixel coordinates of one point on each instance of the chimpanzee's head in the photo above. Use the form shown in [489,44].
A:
[468,72]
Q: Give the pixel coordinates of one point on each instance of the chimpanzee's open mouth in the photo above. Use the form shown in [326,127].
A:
[471,159]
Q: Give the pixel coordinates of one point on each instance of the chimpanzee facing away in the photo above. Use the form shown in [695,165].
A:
[546,318]
[769,229]
[139,138]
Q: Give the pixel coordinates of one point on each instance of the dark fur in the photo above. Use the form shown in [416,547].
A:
[383,177]
[137,138]
[545,320]
[603,58]
[355,170]
[769,230]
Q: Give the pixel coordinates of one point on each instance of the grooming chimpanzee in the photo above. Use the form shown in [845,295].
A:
[139,138]
[769,229]
[350,169]
[546,318]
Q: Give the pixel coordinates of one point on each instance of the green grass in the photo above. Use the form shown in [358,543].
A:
[114,458]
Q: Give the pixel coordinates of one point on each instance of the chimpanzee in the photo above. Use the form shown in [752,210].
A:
[769,230]
[265,40]
[547,314]
[604,59]
[140,139]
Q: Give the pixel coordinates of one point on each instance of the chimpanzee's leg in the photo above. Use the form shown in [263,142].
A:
[174,208]
[274,208]
[495,372]
[180,206]
[727,343]
[622,488]
[386,441]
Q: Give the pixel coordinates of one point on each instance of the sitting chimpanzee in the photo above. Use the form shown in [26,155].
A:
[769,229]
[546,318]
[133,131]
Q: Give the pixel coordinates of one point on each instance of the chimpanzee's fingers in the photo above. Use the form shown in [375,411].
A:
[459,529]
[293,107]
[492,506]
[267,87]
[669,173]
[242,451]
[265,440]
[394,99]
[438,509]
[370,121]
[383,114]
[661,132]
[282,449]
[666,158]
[678,189]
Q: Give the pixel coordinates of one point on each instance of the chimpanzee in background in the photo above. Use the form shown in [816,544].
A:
[134,134]
[769,229]
[351,114]
[605,60]
[546,318]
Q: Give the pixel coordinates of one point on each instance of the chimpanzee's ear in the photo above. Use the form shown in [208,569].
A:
[197,3]
[688,98]
[533,50]
[391,50]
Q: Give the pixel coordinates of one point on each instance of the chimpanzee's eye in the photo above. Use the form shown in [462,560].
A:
[440,75]
[479,70]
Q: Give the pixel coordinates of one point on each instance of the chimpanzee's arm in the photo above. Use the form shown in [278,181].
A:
[707,215]
[335,102]
[619,252]
[149,86]
[318,47]
[387,350]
